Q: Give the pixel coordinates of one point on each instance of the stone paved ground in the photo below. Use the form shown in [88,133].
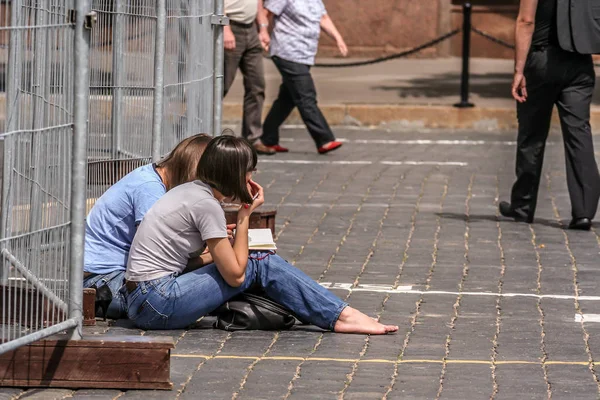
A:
[486,307]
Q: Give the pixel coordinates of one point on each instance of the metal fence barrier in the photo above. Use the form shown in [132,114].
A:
[142,73]
[42,167]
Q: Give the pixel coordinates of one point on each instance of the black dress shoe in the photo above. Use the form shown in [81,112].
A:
[507,211]
[581,224]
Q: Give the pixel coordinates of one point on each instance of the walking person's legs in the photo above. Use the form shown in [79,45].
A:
[583,179]
[281,109]
[232,58]
[534,116]
[301,88]
[534,125]
[251,65]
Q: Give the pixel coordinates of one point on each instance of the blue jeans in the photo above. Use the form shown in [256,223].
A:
[118,307]
[177,301]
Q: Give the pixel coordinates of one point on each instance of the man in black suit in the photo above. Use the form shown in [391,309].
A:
[546,74]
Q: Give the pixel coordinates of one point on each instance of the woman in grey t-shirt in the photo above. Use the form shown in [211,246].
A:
[190,217]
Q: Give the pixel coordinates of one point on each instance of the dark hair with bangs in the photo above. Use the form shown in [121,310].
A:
[224,165]
[181,165]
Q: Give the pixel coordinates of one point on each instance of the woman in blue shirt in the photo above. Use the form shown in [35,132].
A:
[112,222]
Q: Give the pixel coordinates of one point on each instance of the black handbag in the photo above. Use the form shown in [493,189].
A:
[103,299]
[249,311]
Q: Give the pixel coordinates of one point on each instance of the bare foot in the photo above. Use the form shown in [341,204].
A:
[353,321]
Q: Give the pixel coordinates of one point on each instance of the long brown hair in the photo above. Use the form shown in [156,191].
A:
[181,164]
[224,165]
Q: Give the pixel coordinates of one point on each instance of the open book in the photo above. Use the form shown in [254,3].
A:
[261,239]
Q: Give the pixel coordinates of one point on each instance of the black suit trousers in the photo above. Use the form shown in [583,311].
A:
[554,76]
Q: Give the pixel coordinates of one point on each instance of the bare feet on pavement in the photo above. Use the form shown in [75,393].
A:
[353,321]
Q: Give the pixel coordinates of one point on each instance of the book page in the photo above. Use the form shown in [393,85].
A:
[261,239]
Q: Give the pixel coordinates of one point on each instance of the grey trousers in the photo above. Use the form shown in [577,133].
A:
[554,76]
[248,57]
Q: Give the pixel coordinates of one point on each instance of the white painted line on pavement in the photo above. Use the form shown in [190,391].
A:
[427,141]
[314,162]
[366,287]
[440,163]
[351,205]
[409,290]
[320,162]
[587,317]
[446,142]
[345,127]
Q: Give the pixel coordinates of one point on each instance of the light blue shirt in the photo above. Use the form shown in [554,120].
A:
[112,222]
[296,29]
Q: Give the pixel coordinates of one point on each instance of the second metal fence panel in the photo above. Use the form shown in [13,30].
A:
[122,91]
[124,60]
[188,71]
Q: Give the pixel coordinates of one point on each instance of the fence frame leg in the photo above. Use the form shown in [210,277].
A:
[79,165]
[118,37]
[193,71]
[159,78]
[219,59]
[12,122]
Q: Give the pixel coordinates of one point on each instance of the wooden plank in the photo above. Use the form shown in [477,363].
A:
[89,307]
[122,362]
[115,342]
[85,385]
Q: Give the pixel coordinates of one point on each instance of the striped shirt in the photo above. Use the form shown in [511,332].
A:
[296,29]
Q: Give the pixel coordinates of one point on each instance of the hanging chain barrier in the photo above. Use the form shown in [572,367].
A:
[405,53]
[493,39]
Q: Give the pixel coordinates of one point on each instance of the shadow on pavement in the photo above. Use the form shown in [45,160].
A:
[488,86]
[492,85]
[493,218]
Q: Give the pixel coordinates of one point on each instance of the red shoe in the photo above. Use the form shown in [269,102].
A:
[279,149]
[262,149]
[327,147]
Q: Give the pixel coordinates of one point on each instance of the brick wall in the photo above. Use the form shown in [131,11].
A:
[377,27]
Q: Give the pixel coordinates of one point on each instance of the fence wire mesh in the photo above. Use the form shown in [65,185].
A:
[124,50]
[150,86]
[36,128]
[188,71]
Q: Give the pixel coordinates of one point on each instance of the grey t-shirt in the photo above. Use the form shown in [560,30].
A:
[178,224]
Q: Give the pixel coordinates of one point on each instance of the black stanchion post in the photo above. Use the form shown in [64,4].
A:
[466,50]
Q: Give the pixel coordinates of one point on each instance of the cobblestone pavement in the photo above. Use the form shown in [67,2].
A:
[404,226]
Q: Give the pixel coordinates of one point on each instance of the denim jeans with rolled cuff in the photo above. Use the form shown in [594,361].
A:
[177,301]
